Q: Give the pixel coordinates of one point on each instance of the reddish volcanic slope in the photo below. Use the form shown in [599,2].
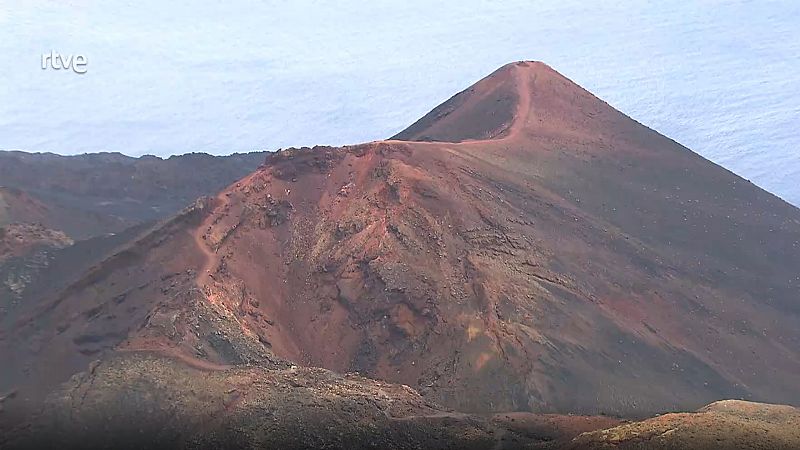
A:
[532,249]
[576,262]
[483,111]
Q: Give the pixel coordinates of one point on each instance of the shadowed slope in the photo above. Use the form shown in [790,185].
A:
[95,194]
[483,111]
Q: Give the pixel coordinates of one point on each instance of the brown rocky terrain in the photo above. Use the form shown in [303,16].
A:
[94,194]
[24,250]
[728,424]
[527,248]
[18,239]
[181,403]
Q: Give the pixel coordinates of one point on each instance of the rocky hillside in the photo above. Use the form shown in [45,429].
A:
[93,194]
[526,250]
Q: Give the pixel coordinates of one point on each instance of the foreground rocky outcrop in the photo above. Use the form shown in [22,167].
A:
[145,400]
[150,400]
[729,424]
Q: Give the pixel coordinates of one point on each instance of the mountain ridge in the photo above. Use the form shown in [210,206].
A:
[93,194]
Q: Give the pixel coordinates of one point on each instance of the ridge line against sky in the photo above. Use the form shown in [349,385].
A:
[720,77]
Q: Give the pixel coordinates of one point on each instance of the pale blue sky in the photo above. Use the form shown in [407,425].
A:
[721,77]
